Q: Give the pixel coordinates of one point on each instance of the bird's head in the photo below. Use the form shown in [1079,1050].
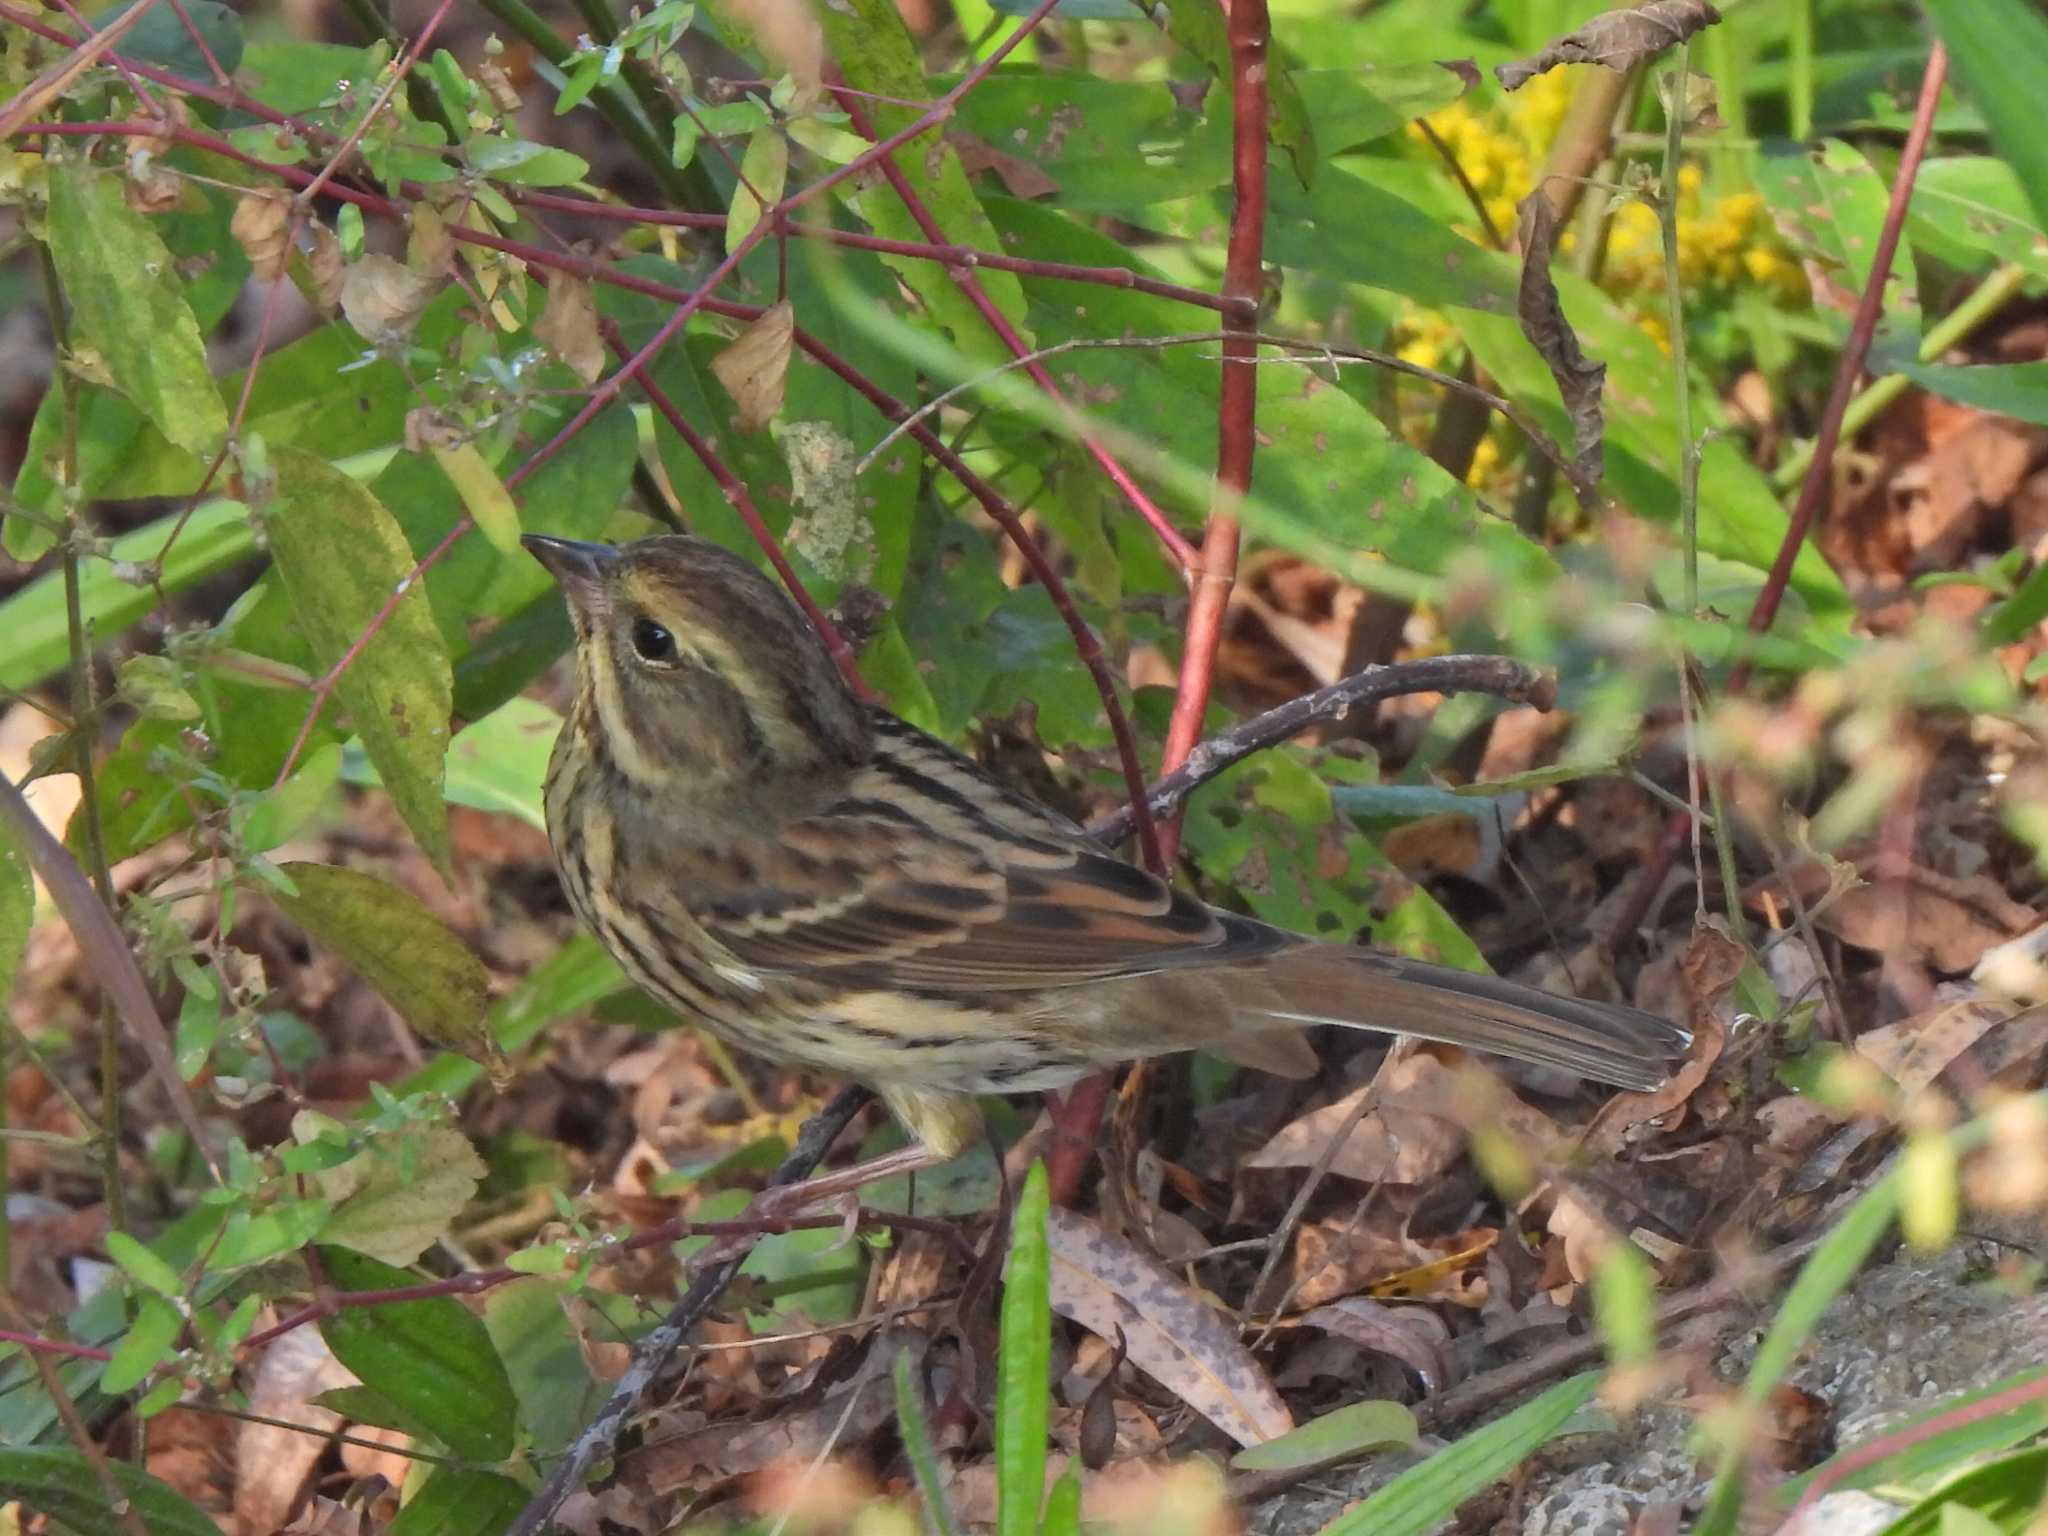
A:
[695,673]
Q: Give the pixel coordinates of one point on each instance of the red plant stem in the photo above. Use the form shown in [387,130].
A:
[42,1346]
[1820,472]
[736,495]
[1077,1119]
[1886,1446]
[951,255]
[964,279]
[355,135]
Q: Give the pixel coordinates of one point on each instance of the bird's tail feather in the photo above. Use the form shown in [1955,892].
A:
[1334,984]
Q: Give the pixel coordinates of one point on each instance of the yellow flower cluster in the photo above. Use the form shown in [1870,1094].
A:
[1722,246]
[1725,243]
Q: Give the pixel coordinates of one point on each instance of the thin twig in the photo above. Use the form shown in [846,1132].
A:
[652,1353]
[1497,675]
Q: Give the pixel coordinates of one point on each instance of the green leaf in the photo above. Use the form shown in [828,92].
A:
[1421,1498]
[2002,1496]
[483,494]
[65,1486]
[1023,1360]
[1825,1275]
[399,947]
[456,1501]
[38,637]
[578,975]
[2019,390]
[342,559]
[525,163]
[1200,28]
[160,37]
[1968,1437]
[430,1357]
[142,1266]
[499,764]
[17,911]
[1625,1304]
[543,1358]
[402,1193]
[1830,205]
[917,1446]
[1997,47]
[1970,210]
[764,171]
[129,304]
[148,1341]
[277,814]
[876,53]
[1344,1432]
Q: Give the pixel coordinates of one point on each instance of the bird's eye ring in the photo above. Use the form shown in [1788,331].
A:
[653,643]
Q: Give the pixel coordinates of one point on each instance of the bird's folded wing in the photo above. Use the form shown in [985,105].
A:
[875,902]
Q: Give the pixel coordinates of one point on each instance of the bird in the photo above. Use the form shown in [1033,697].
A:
[823,884]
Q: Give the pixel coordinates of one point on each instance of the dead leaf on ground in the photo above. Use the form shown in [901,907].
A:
[1415,1336]
[1188,1497]
[1104,1282]
[1945,920]
[1393,1142]
[272,1464]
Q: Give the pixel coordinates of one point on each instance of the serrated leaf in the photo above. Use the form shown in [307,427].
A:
[128,302]
[399,947]
[401,1194]
[431,1357]
[342,558]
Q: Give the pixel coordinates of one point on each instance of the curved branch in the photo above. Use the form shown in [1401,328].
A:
[1498,675]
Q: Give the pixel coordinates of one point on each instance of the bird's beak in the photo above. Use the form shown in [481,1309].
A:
[580,569]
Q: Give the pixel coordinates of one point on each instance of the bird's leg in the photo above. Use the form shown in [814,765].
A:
[785,1202]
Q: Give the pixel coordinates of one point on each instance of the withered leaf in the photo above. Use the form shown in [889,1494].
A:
[1106,1283]
[1541,313]
[259,227]
[568,326]
[756,366]
[1618,39]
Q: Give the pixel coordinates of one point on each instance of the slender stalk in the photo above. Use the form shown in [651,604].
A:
[84,715]
[1989,297]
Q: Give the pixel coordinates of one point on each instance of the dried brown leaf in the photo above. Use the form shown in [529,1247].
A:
[1541,313]
[1396,1142]
[260,228]
[568,326]
[756,366]
[383,298]
[271,1463]
[1414,1336]
[1620,40]
[1104,1282]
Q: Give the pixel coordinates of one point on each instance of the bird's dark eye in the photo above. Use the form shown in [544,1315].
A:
[652,643]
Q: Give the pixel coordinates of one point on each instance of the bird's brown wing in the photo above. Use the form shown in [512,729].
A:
[929,874]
